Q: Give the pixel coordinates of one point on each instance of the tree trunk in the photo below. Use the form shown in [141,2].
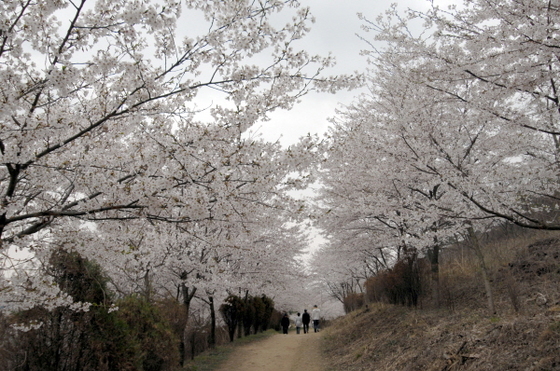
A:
[240,328]
[485,276]
[147,286]
[212,340]
[433,256]
[187,299]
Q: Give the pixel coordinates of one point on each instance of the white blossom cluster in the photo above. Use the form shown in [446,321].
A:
[101,152]
[460,129]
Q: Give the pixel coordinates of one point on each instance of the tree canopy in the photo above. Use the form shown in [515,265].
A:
[459,129]
[106,147]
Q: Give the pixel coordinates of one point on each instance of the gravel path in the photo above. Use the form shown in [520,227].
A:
[280,352]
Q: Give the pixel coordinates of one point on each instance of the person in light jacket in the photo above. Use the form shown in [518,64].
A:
[299,323]
[316,316]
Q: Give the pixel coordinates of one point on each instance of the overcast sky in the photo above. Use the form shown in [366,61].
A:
[334,31]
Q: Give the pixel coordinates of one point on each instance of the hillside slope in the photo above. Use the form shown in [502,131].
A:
[523,335]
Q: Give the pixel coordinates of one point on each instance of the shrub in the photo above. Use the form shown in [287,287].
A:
[399,285]
[353,302]
[258,304]
[268,310]
[156,345]
[135,337]
[275,319]
[232,313]
[75,340]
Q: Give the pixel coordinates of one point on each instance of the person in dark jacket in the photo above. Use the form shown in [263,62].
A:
[305,318]
[285,323]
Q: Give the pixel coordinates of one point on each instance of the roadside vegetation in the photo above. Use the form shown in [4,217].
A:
[134,332]
[457,331]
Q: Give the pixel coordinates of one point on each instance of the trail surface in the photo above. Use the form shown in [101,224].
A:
[280,352]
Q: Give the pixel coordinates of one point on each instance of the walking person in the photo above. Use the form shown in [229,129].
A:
[299,323]
[285,323]
[305,319]
[316,316]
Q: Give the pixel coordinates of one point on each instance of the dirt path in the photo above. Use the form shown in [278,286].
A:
[280,352]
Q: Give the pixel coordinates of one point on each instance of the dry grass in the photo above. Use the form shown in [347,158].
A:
[459,334]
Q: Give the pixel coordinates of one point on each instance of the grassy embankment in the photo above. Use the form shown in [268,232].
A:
[460,333]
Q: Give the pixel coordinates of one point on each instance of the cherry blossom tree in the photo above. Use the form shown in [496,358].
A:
[477,104]
[101,124]
[458,128]
[374,211]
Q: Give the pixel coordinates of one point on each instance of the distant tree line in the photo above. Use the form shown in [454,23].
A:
[247,315]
